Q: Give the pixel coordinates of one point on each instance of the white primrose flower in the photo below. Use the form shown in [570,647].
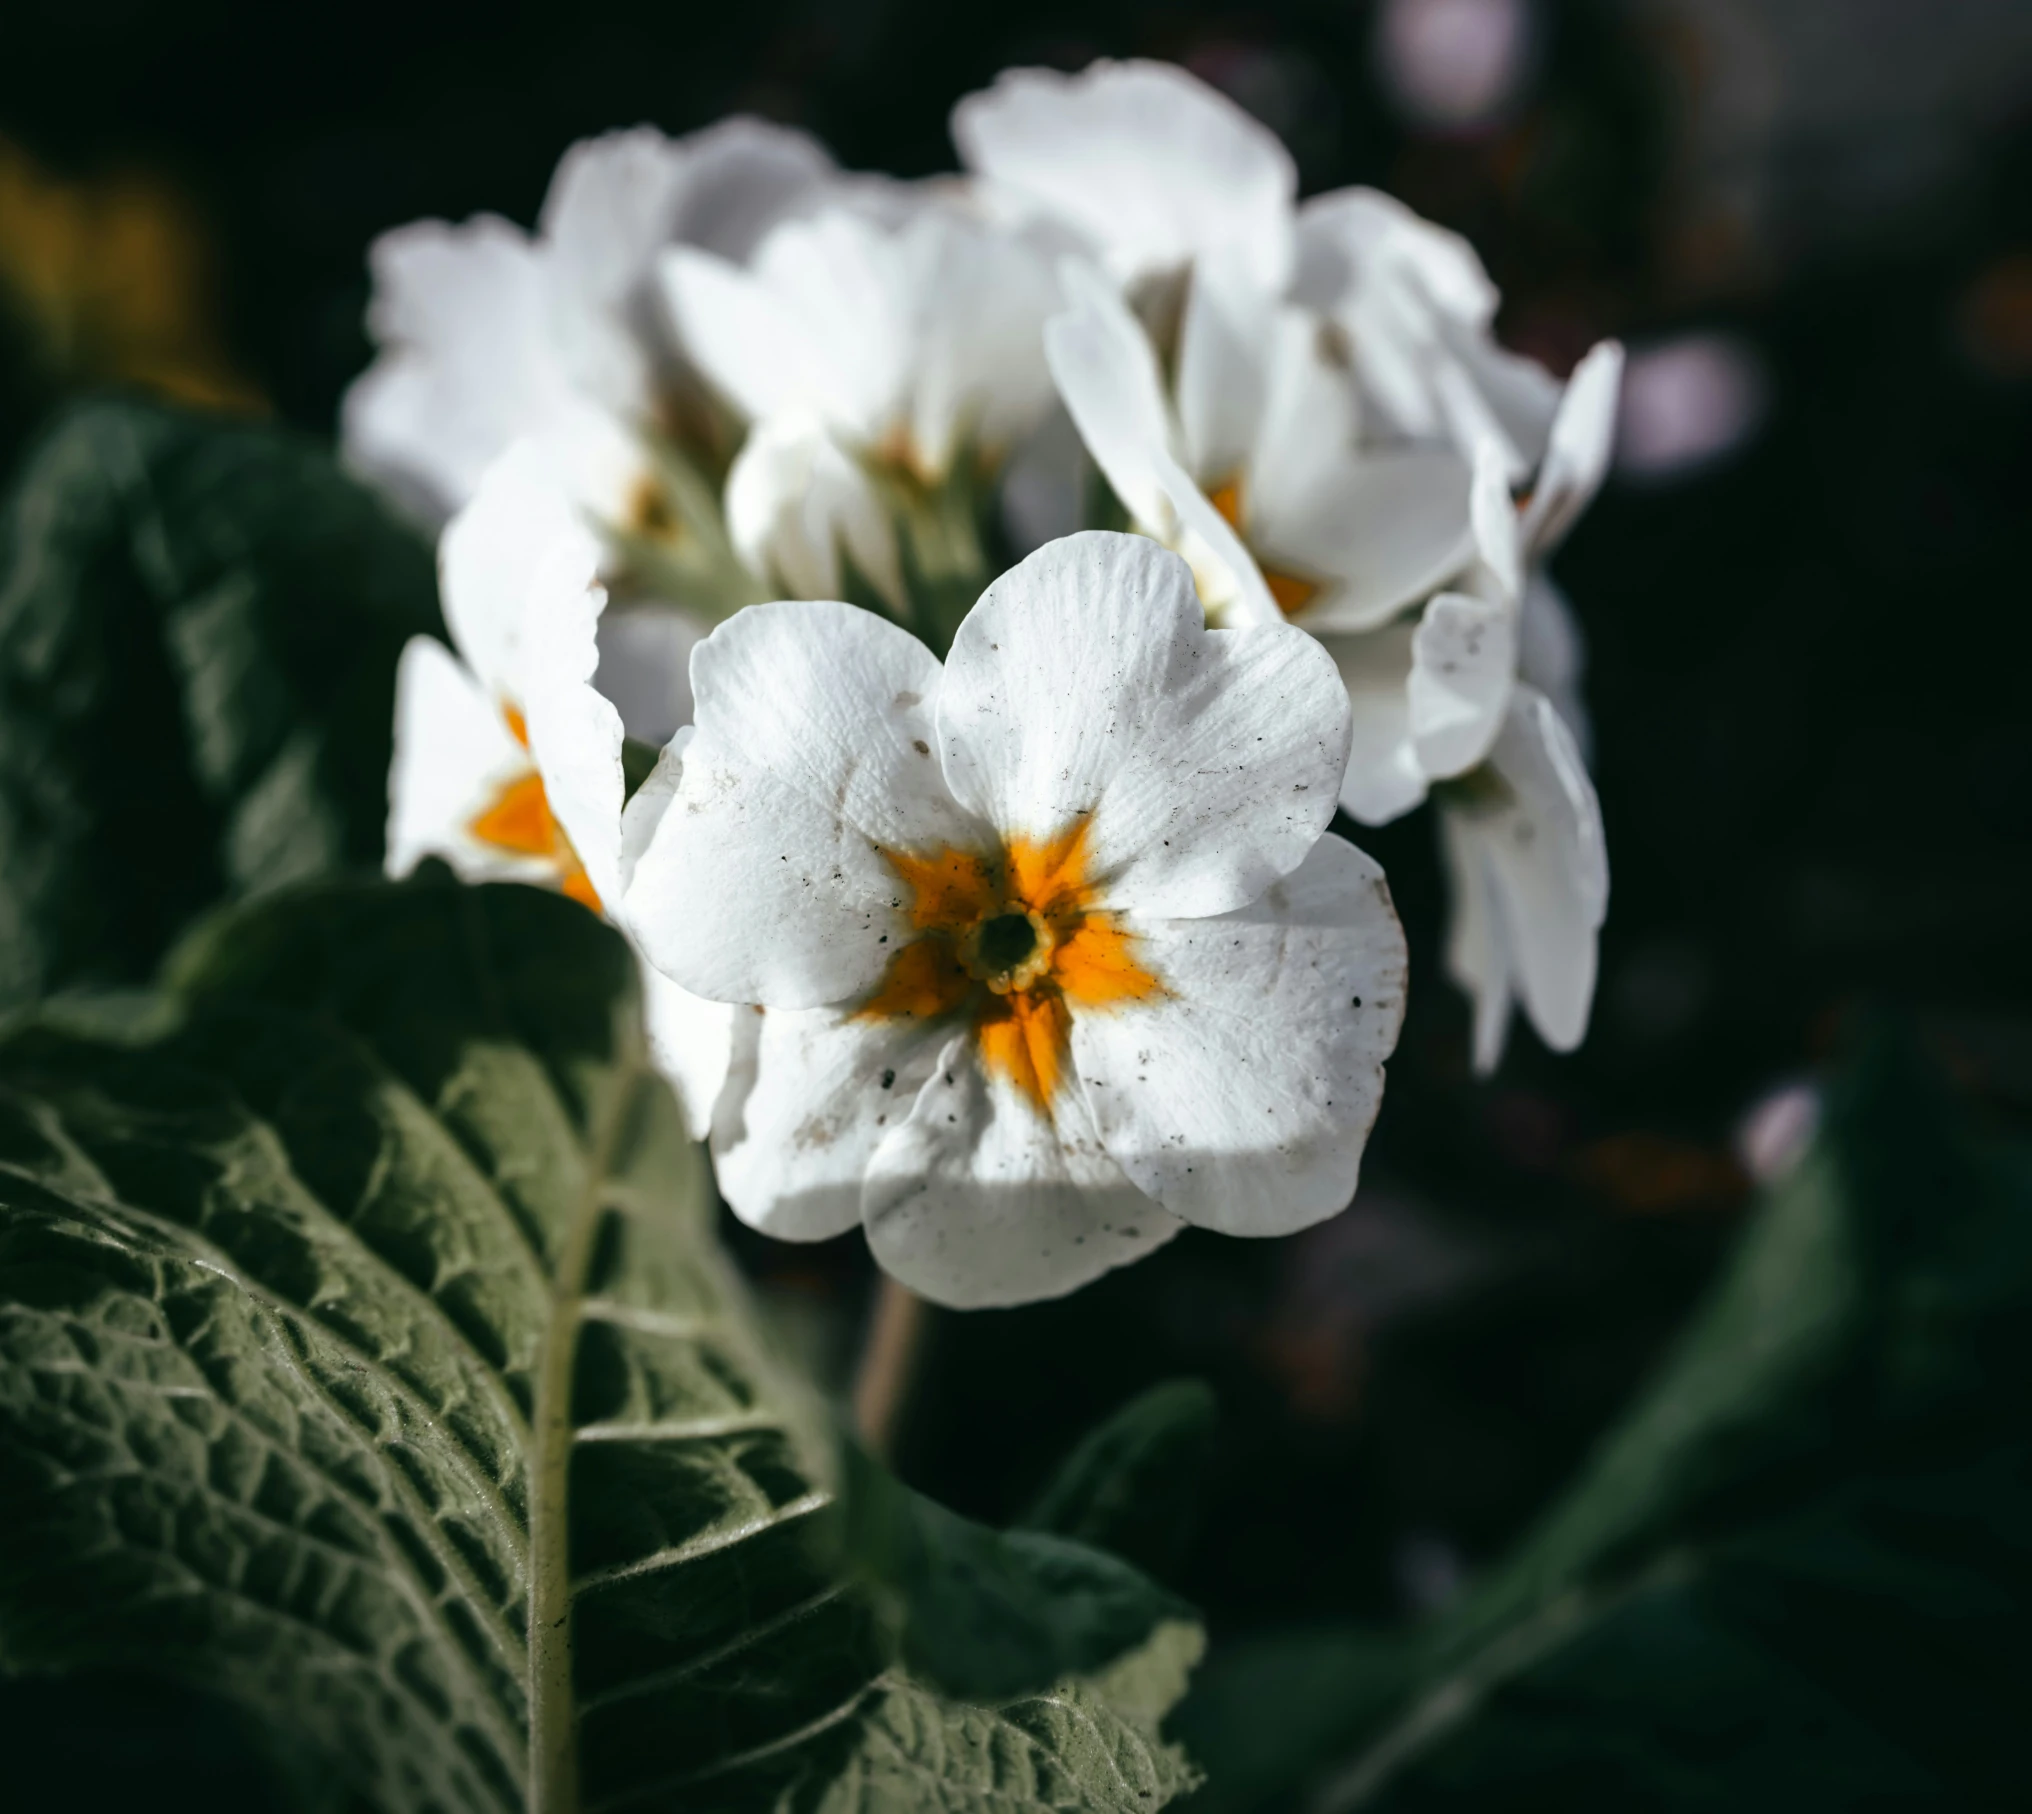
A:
[507,762]
[1051,952]
[1444,704]
[1147,168]
[862,344]
[1252,466]
[490,335]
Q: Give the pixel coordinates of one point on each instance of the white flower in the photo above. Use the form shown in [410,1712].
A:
[1444,700]
[1051,952]
[507,762]
[1150,169]
[490,335]
[1257,473]
[908,338]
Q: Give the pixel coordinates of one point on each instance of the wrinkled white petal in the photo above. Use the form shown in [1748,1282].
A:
[520,539]
[828,1087]
[1149,165]
[1242,1097]
[977,1199]
[1085,686]
[645,667]
[453,753]
[1578,451]
[764,879]
[1463,659]
[1536,841]
[691,1042]
[795,500]
[1384,778]
[1107,374]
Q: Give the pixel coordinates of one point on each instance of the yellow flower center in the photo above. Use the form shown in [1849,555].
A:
[519,821]
[1010,939]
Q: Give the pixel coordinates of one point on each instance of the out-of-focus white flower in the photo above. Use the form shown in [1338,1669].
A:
[1418,312]
[490,335]
[1149,169]
[1687,403]
[796,502]
[507,761]
[1253,467]
[1454,64]
[1051,953]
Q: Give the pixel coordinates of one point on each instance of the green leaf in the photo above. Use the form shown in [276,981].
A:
[1799,1574]
[199,623]
[986,1614]
[1132,1484]
[366,1356]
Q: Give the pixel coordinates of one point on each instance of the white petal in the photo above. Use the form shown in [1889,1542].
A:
[1241,1099]
[1498,539]
[1085,685]
[453,753]
[1578,450]
[795,500]
[1383,528]
[1222,376]
[764,880]
[1539,839]
[1354,237]
[828,1088]
[646,807]
[1476,955]
[978,299]
[520,523]
[752,344]
[979,1200]
[645,667]
[468,363]
[1151,166]
[691,1041]
[1384,778]
[1463,660]
[574,732]
[1552,652]
[1107,374]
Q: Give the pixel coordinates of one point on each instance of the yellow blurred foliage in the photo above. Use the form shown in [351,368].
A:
[112,280]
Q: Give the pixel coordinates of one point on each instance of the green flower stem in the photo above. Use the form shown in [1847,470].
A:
[890,1357]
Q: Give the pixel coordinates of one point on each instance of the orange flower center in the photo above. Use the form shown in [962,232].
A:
[1291,591]
[1012,940]
[518,820]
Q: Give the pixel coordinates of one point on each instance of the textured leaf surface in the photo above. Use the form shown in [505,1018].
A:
[365,1355]
[199,622]
[1797,1577]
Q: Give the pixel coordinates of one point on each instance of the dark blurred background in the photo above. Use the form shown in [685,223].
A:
[1804,592]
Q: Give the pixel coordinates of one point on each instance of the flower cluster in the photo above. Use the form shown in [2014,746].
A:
[988,898]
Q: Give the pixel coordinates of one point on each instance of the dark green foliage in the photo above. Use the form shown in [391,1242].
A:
[199,623]
[1132,1484]
[986,1614]
[1799,1575]
[362,1303]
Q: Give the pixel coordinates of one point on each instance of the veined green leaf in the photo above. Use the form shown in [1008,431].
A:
[366,1355]
[199,623]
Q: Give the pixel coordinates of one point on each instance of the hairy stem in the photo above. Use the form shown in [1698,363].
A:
[889,1360]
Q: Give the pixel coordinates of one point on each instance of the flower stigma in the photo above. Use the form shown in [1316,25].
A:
[1012,940]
